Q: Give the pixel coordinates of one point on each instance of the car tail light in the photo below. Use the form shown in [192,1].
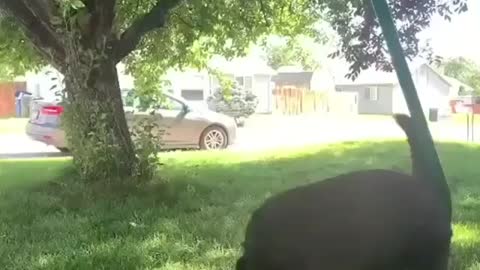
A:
[52,110]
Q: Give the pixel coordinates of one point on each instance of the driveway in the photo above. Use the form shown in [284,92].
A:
[21,146]
[263,132]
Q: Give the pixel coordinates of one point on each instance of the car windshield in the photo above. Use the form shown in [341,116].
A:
[191,105]
[171,102]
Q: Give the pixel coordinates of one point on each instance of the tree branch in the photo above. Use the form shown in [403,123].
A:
[35,18]
[180,18]
[156,18]
[103,15]
[264,12]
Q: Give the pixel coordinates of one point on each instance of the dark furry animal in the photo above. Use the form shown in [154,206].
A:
[364,220]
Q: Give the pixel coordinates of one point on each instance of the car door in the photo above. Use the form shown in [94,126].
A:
[180,127]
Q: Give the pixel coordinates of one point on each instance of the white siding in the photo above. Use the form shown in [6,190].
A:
[262,89]
[432,91]
[399,104]
[39,84]
[322,80]
[188,81]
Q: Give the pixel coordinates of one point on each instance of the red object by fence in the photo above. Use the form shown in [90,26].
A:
[7,100]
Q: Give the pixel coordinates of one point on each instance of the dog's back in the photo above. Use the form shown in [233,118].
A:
[373,219]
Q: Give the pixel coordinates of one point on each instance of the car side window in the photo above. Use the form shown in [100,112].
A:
[171,105]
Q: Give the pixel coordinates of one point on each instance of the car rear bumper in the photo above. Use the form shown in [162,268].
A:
[46,134]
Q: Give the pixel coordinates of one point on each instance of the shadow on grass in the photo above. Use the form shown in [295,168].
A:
[195,217]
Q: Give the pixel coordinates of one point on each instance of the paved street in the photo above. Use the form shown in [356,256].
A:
[269,131]
[19,145]
[272,132]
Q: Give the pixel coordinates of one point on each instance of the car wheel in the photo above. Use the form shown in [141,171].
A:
[213,138]
[63,149]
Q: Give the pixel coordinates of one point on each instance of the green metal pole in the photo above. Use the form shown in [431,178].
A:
[473,125]
[468,126]
[424,139]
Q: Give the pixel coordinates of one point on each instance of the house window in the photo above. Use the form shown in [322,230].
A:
[372,93]
[246,82]
[240,81]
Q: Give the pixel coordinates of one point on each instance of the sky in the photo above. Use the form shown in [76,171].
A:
[460,37]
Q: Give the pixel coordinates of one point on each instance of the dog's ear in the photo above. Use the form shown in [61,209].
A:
[241,264]
[404,121]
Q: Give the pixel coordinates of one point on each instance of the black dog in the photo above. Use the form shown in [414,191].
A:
[364,220]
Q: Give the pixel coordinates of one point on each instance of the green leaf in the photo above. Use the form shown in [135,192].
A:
[76,4]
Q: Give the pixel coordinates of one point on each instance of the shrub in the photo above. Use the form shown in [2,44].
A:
[237,102]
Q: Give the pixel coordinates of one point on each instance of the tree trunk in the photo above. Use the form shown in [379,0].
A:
[95,123]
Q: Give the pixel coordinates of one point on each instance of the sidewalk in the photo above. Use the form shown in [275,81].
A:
[12,145]
[262,132]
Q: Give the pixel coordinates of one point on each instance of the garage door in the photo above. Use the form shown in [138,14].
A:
[193,95]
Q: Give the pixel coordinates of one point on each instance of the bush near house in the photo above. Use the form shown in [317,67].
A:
[237,103]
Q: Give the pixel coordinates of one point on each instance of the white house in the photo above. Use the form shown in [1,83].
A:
[320,79]
[252,74]
[380,92]
[458,88]
[193,85]
[433,89]
[40,83]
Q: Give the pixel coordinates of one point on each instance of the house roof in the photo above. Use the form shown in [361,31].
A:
[291,69]
[443,77]
[457,83]
[246,66]
[293,78]
[369,76]
[372,76]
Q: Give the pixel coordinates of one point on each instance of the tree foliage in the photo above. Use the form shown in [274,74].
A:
[16,53]
[196,29]
[361,40]
[464,70]
[290,52]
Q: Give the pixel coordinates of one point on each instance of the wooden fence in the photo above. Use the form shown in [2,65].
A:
[294,101]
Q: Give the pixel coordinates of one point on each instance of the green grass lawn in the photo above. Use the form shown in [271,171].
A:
[194,218]
[12,125]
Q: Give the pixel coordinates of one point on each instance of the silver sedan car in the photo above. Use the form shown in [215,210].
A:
[185,126]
